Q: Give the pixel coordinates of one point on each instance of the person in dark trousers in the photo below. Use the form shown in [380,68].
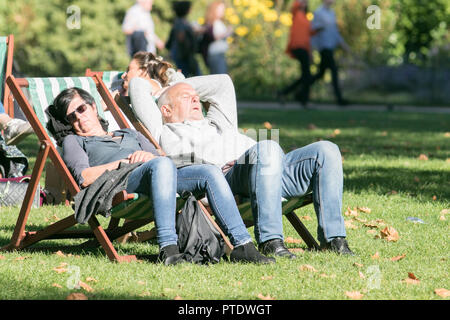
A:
[326,41]
[299,48]
[182,42]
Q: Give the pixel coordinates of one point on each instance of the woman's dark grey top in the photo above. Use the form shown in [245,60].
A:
[80,153]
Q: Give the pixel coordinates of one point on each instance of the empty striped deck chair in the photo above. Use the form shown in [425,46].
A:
[6,63]
[129,206]
[244,206]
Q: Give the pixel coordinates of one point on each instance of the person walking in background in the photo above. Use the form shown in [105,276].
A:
[14,130]
[139,29]
[182,42]
[326,41]
[216,59]
[299,48]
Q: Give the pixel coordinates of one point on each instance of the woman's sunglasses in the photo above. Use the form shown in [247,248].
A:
[71,117]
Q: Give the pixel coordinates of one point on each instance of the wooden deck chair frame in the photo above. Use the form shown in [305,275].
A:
[288,207]
[59,230]
[8,64]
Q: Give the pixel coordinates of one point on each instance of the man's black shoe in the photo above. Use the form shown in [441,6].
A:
[276,247]
[248,253]
[170,255]
[338,245]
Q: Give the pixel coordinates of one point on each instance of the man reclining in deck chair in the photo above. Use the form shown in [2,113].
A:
[256,170]
[89,150]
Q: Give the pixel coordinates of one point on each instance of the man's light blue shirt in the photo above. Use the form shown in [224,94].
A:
[329,37]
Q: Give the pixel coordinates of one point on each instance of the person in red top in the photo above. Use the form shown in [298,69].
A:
[299,48]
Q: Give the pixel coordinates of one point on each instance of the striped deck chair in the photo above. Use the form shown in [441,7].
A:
[6,63]
[129,206]
[288,206]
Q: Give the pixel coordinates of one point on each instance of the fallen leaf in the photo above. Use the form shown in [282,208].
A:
[2,257]
[371,231]
[434,198]
[375,256]
[445,211]
[359,265]
[307,267]
[21,258]
[411,281]
[442,292]
[389,234]
[356,295]
[90,279]
[85,286]
[350,212]
[267,125]
[60,253]
[336,132]
[177,297]
[361,275]
[306,218]
[397,258]
[145,294]
[266,277]
[423,157]
[442,218]
[292,240]
[56,285]
[262,297]
[76,296]
[371,225]
[365,209]
[412,276]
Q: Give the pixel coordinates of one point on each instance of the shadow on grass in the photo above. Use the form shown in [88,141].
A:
[423,184]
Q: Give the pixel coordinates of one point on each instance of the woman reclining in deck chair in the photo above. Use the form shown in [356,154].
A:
[89,150]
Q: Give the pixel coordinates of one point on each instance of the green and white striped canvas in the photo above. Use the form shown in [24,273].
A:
[112,79]
[3,53]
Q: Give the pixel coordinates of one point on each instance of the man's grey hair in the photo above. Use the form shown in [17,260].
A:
[164,97]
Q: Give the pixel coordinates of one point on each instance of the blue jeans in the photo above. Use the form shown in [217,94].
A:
[160,180]
[265,174]
[2,109]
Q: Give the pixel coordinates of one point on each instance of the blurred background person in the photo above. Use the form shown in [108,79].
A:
[299,48]
[14,130]
[326,41]
[216,59]
[182,42]
[139,29]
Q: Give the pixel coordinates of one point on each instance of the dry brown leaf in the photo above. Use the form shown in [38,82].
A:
[292,240]
[56,285]
[434,198]
[397,258]
[442,218]
[177,297]
[296,250]
[411,281]
[371,225]
[371,231]
[266,277]
[306,218]
[76,296]
[356,295]
[21,258]
[307,267]
[389,234]
[442,292]
[360,220]
[60,253]
[2,257]
[423,157]
[351,212]
[361,275]
[90,279]
[262,297]
[267,125]
[359,265]
[412,276]
[365,209]
[60,269]
[375,256]
[85,286]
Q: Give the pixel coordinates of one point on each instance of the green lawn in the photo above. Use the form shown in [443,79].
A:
[383,171]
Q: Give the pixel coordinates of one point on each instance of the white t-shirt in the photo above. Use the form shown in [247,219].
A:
[220,45]
[137,19]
